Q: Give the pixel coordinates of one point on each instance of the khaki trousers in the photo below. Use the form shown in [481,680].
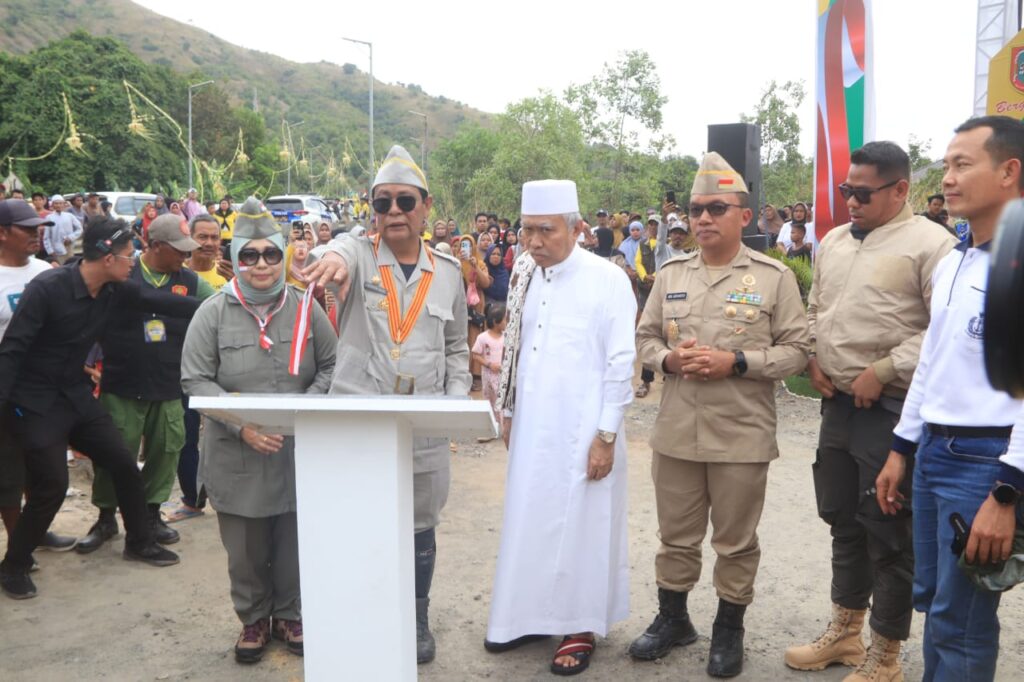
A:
[686,492]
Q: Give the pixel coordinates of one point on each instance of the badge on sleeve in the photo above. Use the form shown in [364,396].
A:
[676,296]
[155,330]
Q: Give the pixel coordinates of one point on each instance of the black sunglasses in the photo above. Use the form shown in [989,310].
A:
[862,194]
[405,203]
[715,209]
[271,256]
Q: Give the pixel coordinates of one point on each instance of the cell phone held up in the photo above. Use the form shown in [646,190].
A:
[670,197]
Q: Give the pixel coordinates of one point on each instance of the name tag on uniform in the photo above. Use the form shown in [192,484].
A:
[743,297]
[155,330]
[374,288]
[676,296]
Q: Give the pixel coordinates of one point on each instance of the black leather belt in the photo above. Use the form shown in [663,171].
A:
[970,431]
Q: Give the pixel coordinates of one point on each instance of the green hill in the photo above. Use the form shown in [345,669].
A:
[331,100]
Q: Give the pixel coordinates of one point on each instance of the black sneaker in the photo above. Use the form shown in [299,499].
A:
[17,584]
[152,554]
[58,543]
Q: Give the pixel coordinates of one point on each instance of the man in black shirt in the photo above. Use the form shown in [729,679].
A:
[48,400]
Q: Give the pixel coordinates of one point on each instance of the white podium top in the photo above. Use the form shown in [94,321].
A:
[428,415]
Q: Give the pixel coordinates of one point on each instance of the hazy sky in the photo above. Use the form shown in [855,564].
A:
[714,58]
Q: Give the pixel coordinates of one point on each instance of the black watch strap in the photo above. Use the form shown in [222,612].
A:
[739,365]
[1004,493]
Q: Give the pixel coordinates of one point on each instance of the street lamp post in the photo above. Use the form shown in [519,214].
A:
[423,142]
[191,161]
[291,151]
[369,45]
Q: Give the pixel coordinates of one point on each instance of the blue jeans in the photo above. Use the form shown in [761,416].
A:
[961,631]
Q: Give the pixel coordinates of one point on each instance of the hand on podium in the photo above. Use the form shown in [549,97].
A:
[265,444]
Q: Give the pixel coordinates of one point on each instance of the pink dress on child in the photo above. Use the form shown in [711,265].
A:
[491,349]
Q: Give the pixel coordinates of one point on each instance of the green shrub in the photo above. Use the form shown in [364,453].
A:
[801,269]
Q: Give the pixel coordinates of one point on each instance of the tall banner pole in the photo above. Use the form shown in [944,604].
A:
[845,102]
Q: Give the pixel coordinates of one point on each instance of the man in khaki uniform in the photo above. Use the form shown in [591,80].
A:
[868,311]
[403,330]
[723,325]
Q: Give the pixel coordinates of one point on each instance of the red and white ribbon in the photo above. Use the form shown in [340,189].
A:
[300,331]
[265,341]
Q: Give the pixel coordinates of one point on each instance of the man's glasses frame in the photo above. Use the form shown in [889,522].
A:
[405,203]
[716,209]
[863,194]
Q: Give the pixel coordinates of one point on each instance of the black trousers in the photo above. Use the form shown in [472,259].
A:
[44,439]
[188,462]
[872,553]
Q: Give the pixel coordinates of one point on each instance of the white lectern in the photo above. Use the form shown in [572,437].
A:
[353,480]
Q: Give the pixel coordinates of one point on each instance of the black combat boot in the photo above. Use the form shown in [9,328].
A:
[426,554]
[726,657]
[101,531]
[162,533]
[671,627]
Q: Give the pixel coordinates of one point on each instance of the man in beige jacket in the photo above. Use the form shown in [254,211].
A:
[868,310]
[723,325]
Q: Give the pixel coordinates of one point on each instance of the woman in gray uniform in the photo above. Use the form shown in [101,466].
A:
[241,341]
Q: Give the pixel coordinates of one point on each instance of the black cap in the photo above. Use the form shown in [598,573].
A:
[601,211]
[19,212]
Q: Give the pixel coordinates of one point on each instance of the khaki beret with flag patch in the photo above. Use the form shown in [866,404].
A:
[716,176]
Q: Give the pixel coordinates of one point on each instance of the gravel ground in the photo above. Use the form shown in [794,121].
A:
[100,618]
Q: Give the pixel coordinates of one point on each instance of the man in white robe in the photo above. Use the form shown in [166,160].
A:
[566,382]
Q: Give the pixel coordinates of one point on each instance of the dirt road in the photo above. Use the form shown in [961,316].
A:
[101,618]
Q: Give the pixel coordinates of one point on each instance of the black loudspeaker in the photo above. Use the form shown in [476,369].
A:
[740,145]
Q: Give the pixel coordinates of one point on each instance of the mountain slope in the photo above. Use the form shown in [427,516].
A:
[332,100]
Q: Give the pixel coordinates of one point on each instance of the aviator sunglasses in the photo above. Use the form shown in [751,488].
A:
[271,256]
[862,194]
[405,203]
[715,209]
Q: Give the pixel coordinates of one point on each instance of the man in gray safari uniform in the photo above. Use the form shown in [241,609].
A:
[404,328]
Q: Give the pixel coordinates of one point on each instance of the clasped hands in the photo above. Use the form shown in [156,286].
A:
[699,363]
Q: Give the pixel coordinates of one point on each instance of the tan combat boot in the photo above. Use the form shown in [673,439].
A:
[882,663]
[840,643]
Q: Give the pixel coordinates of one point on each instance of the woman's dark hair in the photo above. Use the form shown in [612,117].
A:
[494,314]
[103,237]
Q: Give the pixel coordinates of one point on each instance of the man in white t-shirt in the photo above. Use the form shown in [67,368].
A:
[19,243]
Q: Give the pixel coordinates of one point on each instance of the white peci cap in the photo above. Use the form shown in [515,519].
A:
[549,197]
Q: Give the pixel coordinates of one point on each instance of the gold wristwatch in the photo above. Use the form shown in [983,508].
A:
[606,436]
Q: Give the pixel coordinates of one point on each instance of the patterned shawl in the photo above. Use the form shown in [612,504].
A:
[522,273]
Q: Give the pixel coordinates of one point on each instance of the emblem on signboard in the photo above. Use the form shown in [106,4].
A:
[1017,68]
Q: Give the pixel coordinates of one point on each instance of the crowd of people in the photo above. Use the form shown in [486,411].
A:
[102,347]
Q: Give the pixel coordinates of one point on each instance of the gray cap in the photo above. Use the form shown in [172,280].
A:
[173,231]
[254,222]
[19,212]
[399,169]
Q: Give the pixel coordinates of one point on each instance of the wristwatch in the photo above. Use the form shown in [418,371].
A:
[606,436]
[739,366]
[1005,494]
